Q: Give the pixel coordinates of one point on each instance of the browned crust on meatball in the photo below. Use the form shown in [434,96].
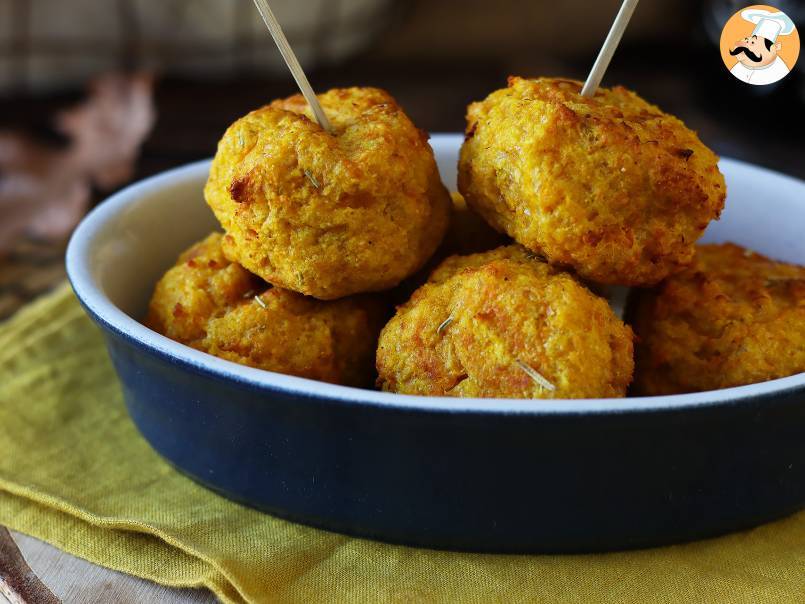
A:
[216,306]
[503,324]
[609,186]
[329,214]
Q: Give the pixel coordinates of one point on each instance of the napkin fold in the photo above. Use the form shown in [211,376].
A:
[75,472]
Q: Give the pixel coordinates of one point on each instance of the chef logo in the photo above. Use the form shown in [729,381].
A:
[759,45]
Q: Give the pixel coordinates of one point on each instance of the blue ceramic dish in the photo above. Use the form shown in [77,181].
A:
[468,474]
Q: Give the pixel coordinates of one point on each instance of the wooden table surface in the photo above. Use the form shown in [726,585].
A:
[77,581]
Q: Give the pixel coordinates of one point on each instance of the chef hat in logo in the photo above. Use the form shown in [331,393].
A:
[768,25]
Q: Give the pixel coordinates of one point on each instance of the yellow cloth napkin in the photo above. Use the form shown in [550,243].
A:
[75,472]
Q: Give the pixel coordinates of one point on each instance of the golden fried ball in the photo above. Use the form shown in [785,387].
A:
[503,324]
[609,186]
[201,285]
[286,332]
[213,305]
[329,215]
[733,317]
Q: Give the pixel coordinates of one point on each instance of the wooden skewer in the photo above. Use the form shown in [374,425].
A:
[293,64]
[608,49]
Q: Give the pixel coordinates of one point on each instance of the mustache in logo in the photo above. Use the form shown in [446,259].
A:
[750,55]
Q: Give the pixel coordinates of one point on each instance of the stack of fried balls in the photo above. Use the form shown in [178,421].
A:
[497,290]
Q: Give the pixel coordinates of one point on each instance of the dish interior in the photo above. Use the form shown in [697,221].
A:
[125,245]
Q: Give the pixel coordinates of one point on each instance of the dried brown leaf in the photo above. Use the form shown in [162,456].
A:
[107,130]
[44,191]
[41,194]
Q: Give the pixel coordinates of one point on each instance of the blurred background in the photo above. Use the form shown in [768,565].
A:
[66,144]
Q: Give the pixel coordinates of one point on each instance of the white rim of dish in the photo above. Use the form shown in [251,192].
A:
[88,291]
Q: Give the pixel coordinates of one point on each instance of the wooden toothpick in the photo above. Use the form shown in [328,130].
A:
[608,49]
[293,64]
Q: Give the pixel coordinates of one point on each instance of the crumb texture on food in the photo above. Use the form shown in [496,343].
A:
[329,215]
[504,324]
[609,186]
[218,307]
[734,317]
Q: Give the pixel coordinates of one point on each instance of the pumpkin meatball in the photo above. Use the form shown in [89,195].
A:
[218,307]
[504,324]
[733,317]
[201,285]
[329,215]
[609,186]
